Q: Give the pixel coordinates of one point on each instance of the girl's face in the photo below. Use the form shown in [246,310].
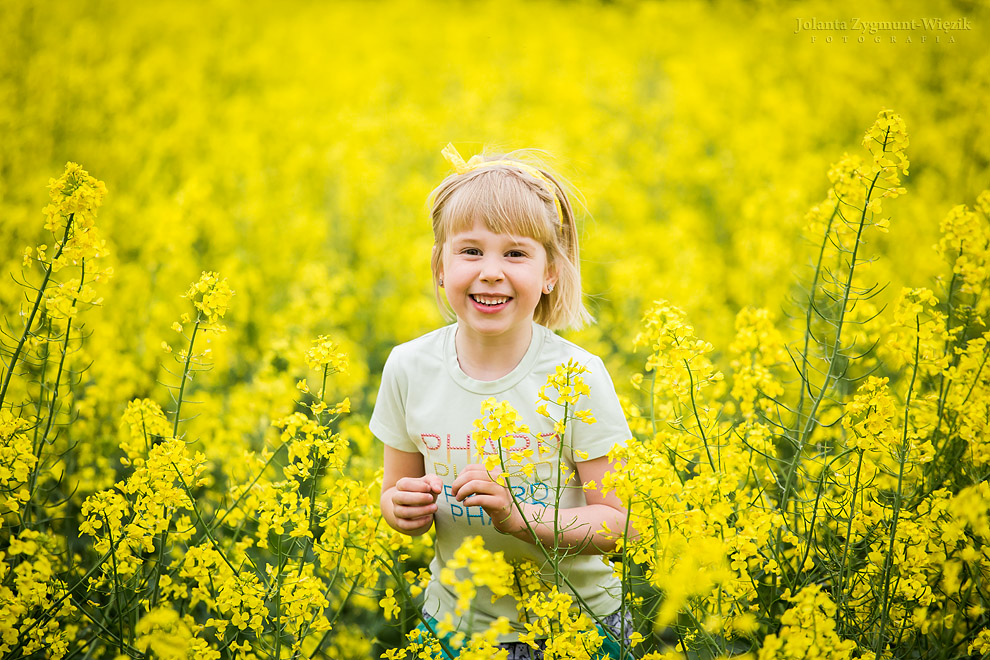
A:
[494,281]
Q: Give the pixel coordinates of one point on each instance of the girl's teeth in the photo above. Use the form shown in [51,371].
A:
[491,301]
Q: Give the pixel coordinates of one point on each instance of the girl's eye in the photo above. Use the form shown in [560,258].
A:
[474,252]
[515,254]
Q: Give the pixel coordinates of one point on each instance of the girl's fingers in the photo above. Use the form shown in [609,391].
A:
[467,483]
[415,512]
[485,501]
[419,484]
[411,498]
[410,524]
[482,492]
[473,472]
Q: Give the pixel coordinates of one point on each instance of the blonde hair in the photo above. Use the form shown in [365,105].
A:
[511,201]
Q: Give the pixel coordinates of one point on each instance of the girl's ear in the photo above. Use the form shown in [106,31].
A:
[438,260]
[551,279]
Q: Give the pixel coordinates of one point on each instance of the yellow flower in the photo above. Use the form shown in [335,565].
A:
[389,605]
[497,426]
[325,354]
[808,630]
[473,566]
[211,296]
[870,417]
[886,141]
[965,245]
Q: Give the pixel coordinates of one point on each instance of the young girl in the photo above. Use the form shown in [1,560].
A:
[506,255]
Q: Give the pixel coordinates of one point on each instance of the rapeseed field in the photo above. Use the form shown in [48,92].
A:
[214,230]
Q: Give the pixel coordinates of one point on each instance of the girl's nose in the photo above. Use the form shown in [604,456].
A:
[491,270]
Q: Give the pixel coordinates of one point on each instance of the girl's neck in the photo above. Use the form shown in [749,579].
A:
[489,358]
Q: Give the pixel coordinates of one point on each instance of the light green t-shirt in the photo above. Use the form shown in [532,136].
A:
[426,404]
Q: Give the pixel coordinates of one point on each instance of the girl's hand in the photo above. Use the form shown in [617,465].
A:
[474,487]
[414,501]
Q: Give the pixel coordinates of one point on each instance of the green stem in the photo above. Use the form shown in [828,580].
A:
[44,353]
[400,584]
[28,510]
[116,587]
[902,460]
[809,311]
[333,619]
[98,623]
[312,516]
[163,541]
[840,598]
[706,636]
[626,587]
[697,417]
[244,493]
[40,442]
[814,519]
[844,302]
[34,310]
[185,375]
[557,493]
[65,351]
[278,600]
[316,473]
[808,424]
[206,530]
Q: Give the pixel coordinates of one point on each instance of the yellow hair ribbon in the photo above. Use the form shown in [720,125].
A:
[460,167]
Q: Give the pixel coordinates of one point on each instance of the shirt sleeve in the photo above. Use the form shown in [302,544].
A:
[610,427]
[388,420]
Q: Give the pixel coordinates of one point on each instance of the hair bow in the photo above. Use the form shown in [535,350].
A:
[453,157]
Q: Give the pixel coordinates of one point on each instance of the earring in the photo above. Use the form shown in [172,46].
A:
[549,288]
[441,282]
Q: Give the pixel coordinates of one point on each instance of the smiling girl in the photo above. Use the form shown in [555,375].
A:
[506,255]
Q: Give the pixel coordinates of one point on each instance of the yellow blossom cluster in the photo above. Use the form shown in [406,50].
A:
[71,216]
[569,632]
[33,598]
[807,630]
[886,141]
[965,243]
[142,425]
[757,348]
[326,354]
[869,417]
[495,430]
[17,460]
[677,369]
[211,296]
[473,567]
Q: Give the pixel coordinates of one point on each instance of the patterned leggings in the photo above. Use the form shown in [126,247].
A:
[621,627]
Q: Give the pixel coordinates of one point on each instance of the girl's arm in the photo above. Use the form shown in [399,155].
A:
[579,528]
[409,495]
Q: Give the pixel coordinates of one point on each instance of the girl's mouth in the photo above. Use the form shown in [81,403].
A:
[489,301]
